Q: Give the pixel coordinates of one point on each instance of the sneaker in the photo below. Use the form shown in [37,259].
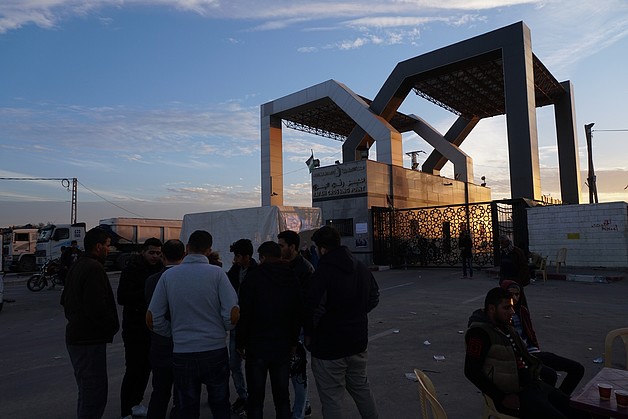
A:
[308,411]
[239,406]
[139,410]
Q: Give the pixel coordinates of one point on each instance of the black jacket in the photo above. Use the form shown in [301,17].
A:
[88,303]
[234,274]
[131,295]
[270,310]
[343,291]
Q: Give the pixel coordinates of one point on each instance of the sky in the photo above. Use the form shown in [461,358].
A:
[153,105]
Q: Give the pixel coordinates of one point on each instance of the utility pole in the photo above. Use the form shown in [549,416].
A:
[415,158]
[591,176]
[73,210]
[65,182]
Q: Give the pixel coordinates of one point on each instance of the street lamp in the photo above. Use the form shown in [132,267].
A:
[591,176]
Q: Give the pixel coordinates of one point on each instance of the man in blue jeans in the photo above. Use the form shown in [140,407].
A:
[203,307]
[289,241]
[243,263]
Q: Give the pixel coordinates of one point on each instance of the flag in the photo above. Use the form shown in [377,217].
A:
[311,162]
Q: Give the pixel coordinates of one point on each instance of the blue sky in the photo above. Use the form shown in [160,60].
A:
[154,105]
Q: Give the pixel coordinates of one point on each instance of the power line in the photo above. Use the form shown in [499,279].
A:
[108,201]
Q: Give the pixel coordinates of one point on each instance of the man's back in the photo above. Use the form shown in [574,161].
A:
[342,293]
[199,298]
[271,304]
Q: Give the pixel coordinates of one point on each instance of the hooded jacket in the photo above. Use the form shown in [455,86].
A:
[343,291]
[270,311]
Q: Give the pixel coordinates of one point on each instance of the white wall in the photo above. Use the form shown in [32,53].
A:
[595,235]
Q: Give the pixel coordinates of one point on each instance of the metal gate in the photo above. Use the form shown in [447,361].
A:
[429,236]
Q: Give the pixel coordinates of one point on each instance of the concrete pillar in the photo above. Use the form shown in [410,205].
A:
[272,159]
[567,138]
[523,151]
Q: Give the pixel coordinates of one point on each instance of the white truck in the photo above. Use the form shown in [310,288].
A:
[20,249]
[258,224]
[52,237]
[128,235]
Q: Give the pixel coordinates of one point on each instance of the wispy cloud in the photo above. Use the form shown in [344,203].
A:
[136,132]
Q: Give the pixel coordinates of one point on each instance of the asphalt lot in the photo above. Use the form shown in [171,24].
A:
[416,306]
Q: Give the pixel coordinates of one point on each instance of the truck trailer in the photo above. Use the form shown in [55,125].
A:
[129,234]
[258,224]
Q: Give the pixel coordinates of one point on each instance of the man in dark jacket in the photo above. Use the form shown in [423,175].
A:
[243,263]
[135,333]
[90,309]
[343,291]
[513,263]
[268,329]
[498,363]
[289,242]
[161,347]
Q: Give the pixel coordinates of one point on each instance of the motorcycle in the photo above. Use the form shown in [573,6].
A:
[48,274]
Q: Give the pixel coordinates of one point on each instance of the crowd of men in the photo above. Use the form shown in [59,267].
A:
[192,325]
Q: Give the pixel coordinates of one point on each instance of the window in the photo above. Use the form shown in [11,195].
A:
[343,225]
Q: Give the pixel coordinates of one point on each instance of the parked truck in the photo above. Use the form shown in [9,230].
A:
[258,224]
[128,235]
[19,249]
[53,237]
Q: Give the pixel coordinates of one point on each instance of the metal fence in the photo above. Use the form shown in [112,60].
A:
[429,236]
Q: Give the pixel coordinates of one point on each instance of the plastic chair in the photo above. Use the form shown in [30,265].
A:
[490,411]
[427,395]
[561,257]
[608,345]
[543,268]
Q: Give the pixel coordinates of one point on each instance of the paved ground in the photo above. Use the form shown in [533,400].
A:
[432,305]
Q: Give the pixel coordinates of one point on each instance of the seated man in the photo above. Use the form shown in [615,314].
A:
[498,363]
[522,322]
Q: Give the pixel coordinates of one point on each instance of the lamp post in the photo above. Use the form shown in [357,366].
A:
[591,176]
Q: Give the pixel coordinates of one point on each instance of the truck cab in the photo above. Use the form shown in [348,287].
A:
[53,237]
[19,254]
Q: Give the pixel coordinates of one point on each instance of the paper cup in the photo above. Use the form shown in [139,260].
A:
[622,398]
[605,391]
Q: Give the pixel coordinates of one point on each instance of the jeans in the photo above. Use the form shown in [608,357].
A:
[574,371]
[467,262]
[257,369]
[334,376]
[90,371]
[235,365]
[137,361]
[540,400]
[163,379]
[301,399]
[191,370]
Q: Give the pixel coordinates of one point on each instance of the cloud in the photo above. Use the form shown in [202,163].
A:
[138,132]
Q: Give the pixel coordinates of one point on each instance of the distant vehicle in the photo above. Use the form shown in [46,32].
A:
[129,234]
[19,250]
[52,237]
[48,274]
